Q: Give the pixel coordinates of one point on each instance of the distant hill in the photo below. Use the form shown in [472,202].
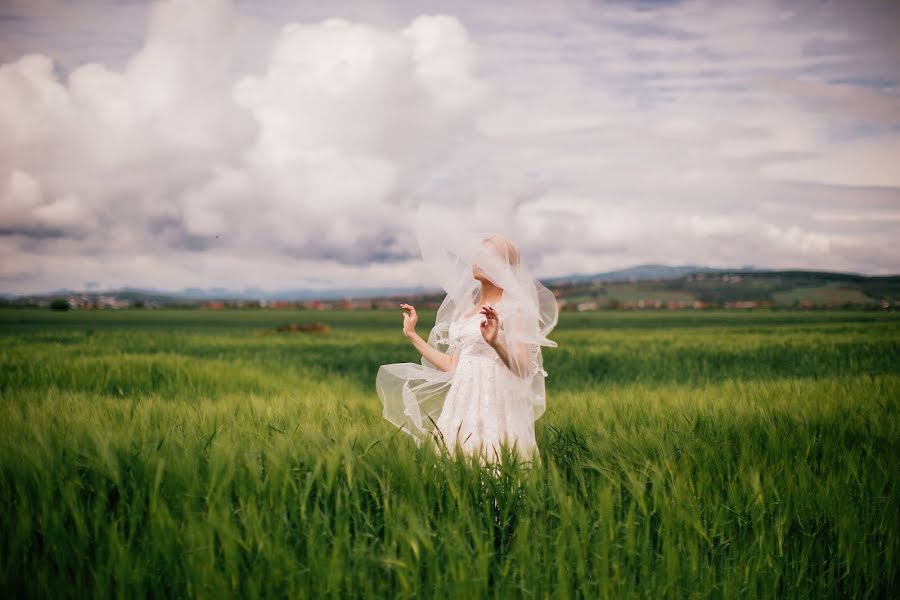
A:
[636,273]
[639,273]
[737,288]
[218,293]
[642,286]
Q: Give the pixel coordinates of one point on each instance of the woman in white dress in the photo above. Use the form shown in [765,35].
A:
[480,384]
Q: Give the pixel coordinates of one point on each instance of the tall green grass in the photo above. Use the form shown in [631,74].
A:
[186,454]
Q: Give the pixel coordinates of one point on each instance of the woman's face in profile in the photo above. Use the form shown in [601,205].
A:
[489,249]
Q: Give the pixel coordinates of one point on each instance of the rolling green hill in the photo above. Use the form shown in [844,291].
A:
[736,289]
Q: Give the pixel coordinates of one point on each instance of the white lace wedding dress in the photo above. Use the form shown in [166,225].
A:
[479,414]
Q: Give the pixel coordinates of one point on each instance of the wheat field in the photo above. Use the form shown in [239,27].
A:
[190,453]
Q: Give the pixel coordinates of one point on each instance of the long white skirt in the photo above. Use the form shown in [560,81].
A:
[478,415]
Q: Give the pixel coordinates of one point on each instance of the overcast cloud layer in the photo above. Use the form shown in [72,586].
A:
[208,143]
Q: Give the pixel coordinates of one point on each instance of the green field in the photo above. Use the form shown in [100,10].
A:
[201,454]
[821,295]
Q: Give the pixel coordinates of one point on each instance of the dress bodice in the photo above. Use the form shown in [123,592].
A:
[465,334]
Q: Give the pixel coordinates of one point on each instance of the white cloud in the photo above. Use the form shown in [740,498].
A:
[867,162]
[283,146]
[298,162]
[21,195]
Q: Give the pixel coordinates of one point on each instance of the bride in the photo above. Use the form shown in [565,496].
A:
[480,385]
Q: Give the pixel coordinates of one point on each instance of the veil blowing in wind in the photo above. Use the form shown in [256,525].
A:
[480,382]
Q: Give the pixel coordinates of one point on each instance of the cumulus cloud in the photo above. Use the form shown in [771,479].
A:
[284,146]
[171,153]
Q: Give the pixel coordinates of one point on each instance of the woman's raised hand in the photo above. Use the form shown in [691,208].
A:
[410,318]
[491,324]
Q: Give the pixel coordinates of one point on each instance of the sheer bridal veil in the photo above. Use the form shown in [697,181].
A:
[413,393]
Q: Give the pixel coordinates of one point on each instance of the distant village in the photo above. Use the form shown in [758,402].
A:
[112,302]
[691,292]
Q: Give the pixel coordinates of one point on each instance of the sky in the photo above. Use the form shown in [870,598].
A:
[285,145]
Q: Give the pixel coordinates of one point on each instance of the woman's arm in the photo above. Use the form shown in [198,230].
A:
[517,359]
[442,361]
[439,359]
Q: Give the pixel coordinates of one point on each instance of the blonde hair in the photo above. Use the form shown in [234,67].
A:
[504,248]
